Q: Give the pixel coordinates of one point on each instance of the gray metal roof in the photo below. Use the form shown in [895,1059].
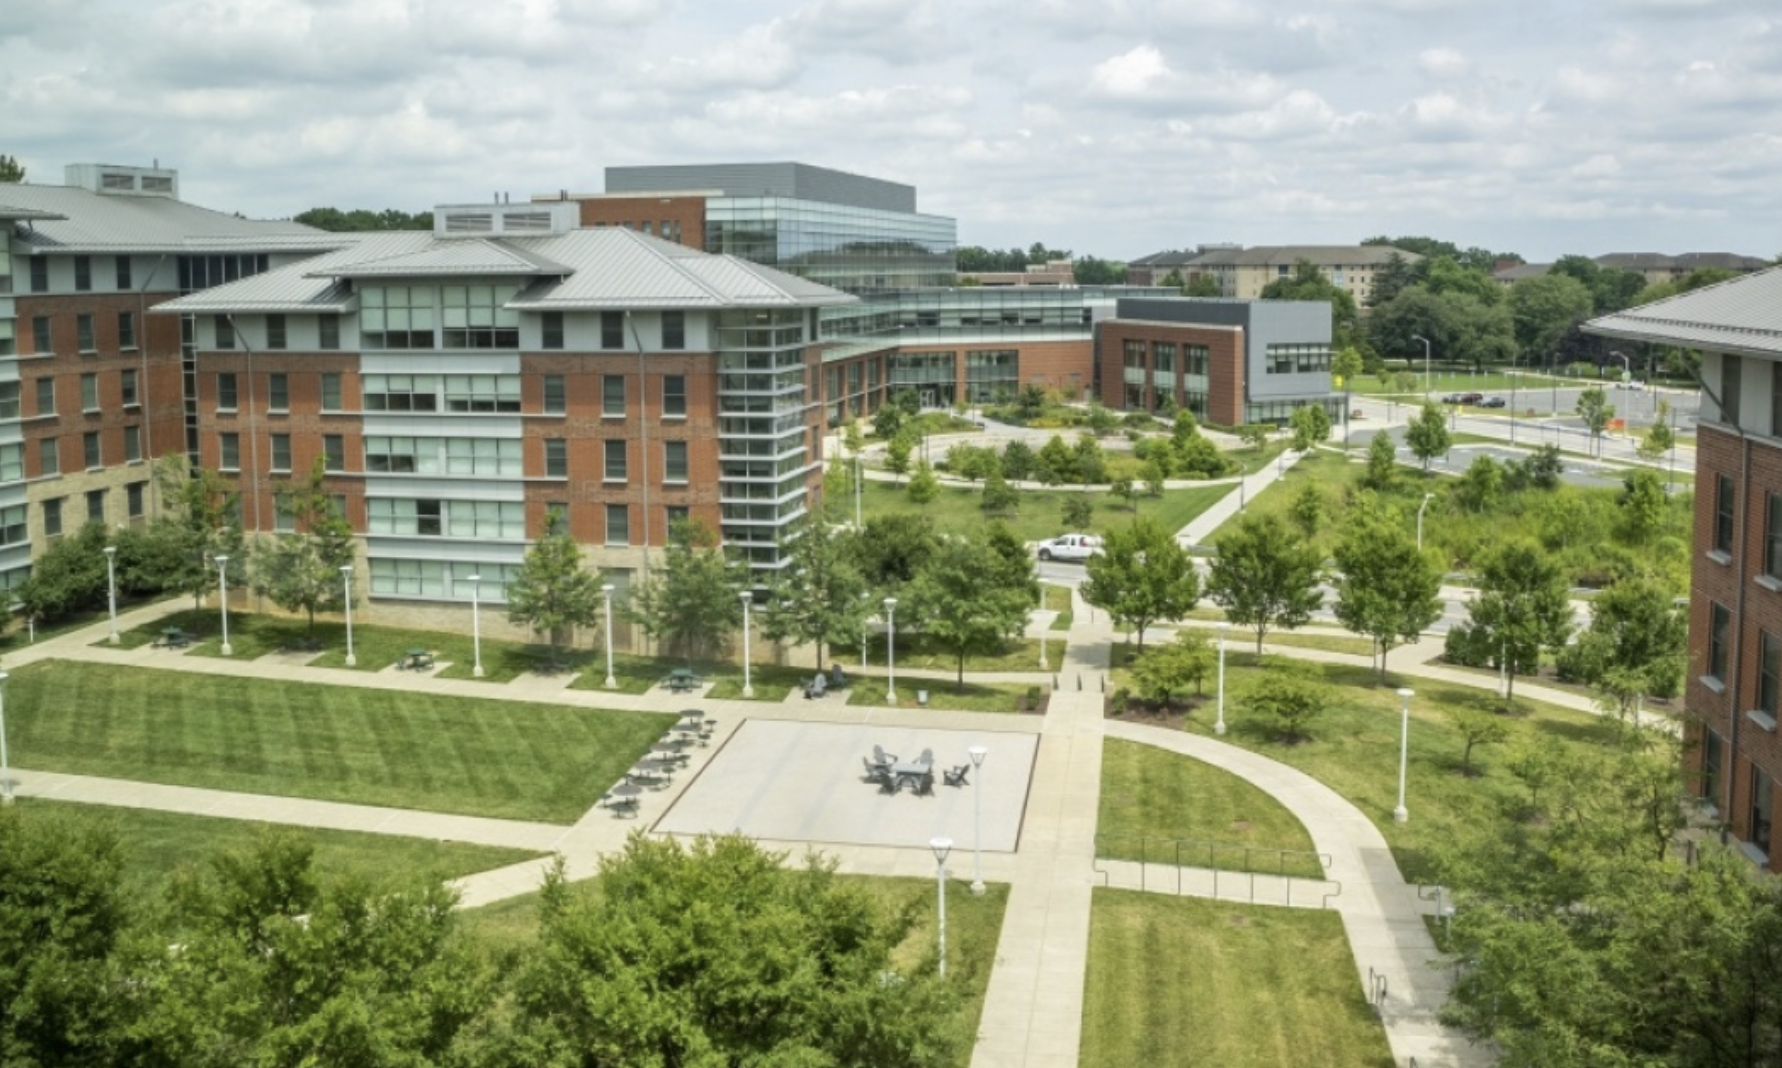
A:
[609,268]
[1741,316]
[68,219]
[798,181]
[1688,261]
[1322,255]
[1521,271]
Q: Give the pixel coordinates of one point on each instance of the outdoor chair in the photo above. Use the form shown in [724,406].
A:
[879,756]
[817,687]
[838,680]
[879,773]
[956,776]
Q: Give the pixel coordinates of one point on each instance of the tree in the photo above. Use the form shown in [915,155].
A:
[1481,485]
[1100,420]
[897,453]
[1311,425]
[1142,576]
[1346,366]
[1198,457]
[1611,288]
[1307,510]
[1382,463]
[819,597]
[1092,271]
[1637,633]
[1643,505]
[924,488]
[1154,473]
[1386,589]
[969,599]
[552,592]
[1124,489]
[1288,697]
[1165,670]
[1546,307]
[852,439]
[68,577]
[1477,728]
[1089,462]
[1596,411]
[720,953]
[1079,511]
[887,421]
[1202,285]
[1055,456]
[1428,435]
[1264,578]
[300,570]
[999,497]
[691,605]
[359,219]
[1017,461]
[10,170]
[1660,438]
[1522,607]
[202,522]
[1255,435]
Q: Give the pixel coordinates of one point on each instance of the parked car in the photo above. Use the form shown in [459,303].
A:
[1070,547]
[1471,398]
[1493,402]
[1452,398]
[1358,414]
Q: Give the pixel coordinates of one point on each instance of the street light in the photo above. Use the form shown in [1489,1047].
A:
[977,754]
[1401,814]
[748,690]
[1427,497]
[5,771]
[1420,337]
[606,592]
[223,598]
[111,588]
[476,626]
[941,847]
[1219,724]
[346,578]
[857,491]
[891,650]
[863,631]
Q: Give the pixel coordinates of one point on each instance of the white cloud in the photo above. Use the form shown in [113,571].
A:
[1443,63]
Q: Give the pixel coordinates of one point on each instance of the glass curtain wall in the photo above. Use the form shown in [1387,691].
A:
[762,453]
[856,250]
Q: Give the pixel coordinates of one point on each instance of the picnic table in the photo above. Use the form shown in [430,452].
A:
[623,799]
[682,680]
[173,638]
[417,659]
[918,775]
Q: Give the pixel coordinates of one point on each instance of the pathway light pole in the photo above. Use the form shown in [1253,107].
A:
[223,599]
[977,754]
[476,626]
[1219,724]
[857,491]
[5,769]
[1427,497]
[941,847]
[111,589]
[346,579]
[1420,337]
[864,631]
[891,650]
[1401,814]
[606,592]
[748,689]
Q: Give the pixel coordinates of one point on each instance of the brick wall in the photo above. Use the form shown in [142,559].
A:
[1225,363]
[687,213]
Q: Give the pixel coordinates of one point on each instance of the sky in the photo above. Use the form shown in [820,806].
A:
[1114,128]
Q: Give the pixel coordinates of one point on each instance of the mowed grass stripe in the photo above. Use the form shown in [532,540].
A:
[514,760]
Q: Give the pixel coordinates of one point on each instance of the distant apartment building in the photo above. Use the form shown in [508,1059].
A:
[1242,273]
[1733,692]
[1153,269]
[1656,268]
[1050,273]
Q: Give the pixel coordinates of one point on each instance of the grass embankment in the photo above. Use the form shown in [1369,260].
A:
[1185,981]
[942,694]
[518,760]
[1058,599]
[1040,516]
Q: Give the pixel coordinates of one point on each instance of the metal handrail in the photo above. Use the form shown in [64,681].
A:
[1376,989]
[1177,845]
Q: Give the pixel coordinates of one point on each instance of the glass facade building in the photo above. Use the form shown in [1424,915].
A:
[853,249]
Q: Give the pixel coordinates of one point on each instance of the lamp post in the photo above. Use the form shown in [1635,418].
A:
[1219,724]
[1401,814]
[977,754]
[1626,373]
[1503,668]
[346,579]
[941,847]
[5,768]
[748,689]
[1420,337]
[891,650]
[857,491]
[111,589]
[606,592]
[476,626]
[1427,497]
[223,599]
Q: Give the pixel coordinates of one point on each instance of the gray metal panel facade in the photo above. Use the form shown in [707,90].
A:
[799,181]
[1265,323]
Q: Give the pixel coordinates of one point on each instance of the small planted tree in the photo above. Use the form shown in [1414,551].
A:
[691,604]
[552,592]
[1382,463]
[968,598]
[300,571]
[1163,671]
[1264,577]
[1307,510]
[1477,729]
[1288,698]
[1142,575]
[819,597]
[1428,436]
[1596,411]
[924,487]
[1079,511]
[1000,498]
[897,453]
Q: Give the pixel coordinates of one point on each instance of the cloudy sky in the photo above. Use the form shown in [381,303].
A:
[1116,128]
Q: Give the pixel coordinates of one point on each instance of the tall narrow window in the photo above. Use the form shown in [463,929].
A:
[1772,536]
[225,332]
[89,393]
[40,335]
[674,330]
[46,396]
[96,506]
[52,517]
[83,274]
[618,524]
[328,330]
[555,402]
[49,457]
[275,331]
[612,395]
[278,392]
[1763,809]
[229,452]
[331,391]
[556,458]
[674,396]
[132,444]
[281,452]
[551,330]
[615,460]
[1713,760]
[126,330]
[127,387]
[1731,384]
[1719,621]
[39,275]
[123,271]
[333,452]
[225,391]
[90,450]
[1769,674]
[1725,505]
[612,330]
[674,461]
[84,334]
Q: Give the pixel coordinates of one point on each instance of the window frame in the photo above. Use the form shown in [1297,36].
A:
[674,403]
[127,331]
[228,442]
[129,392]
[608,385]
[550,330]
[615,460]
[332,384]
[228,392]
[617,509]
[612,330]
[281,443]
[278,392]
[277,334]
[674,331]
[556,395]
[1719,651]
[675,454]
[1725,513]
[92,450]
[86,334]
[556,458]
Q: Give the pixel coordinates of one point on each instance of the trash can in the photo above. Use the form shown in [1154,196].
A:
[922,698]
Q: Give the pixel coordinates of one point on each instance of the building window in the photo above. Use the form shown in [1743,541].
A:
[612,330]
[674,396]
[479,456]
[127,388]
[1763,809]
[615,466]
[674,461]
[551,330]
[49,457]
[612,395]
[1713,761]
[96,506]
[39,275]
[132,444]
[329,329]
[83,274]
[331,391]
[283,520]
[278,392]
[674,330]
[676,513]
[1725,502]
[1732,374]
[9,400]
[126,330]
[281,452]
[89,392]
[229,448]
[400,393]
[40,335]
[1769,674]
[556,458]
[1718,624]
[85,338]
[422,518]
[555,403]
[505,520]
[482,393]
[333,452]
[225,391]
[123,271]
[52,517]
[225,332]
[12,462]
[557,511]
[12,525]
[477,317]
[618,524]
[396,317]
[46,396]
[275,331]
[1772,536]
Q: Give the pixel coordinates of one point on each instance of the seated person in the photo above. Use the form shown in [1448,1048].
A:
[837,680]
[817,687]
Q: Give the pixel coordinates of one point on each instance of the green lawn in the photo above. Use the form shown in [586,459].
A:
[976,697]
[1186,981]
[1040,516]
[1058,599]
[1253,460]
[159,844]
[1165,797]
[1443,382]
[919,651]
[511,759]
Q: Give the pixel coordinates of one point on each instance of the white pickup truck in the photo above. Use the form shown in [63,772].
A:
[1070,547]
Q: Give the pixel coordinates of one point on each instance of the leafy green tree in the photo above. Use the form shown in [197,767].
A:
[1125,491]
[893,548]
[1056,456]
[1345,367]
[1198,457]
[1088,461]
[1635,642]
[819,597]
[1287,696]
[1255,435]
[68,577]
[1079,511]
[10,170]
[552,592]
[1643,505]
[1428,435]
[969,599]
[1404,381]
[852,439]
[361,219]
[897,452]
[1386,589]
[1142,576]
[1264,577]
[720,953]
[1163,671]
[924,487]
[1093,271]
[1154,473]
[1393,277]
[1522,607]
[202,521]
[1542,467]
[1476,728]
[691,604]
[1611,288]
[1017,461]
[999,497]
[1307,510]
[1202,285]
[1311,425]
[1100,420]
[300,571]
[1660,438]
[1481,486]
[1596,411]
[887,421]
[1545,308]
[1382,463]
